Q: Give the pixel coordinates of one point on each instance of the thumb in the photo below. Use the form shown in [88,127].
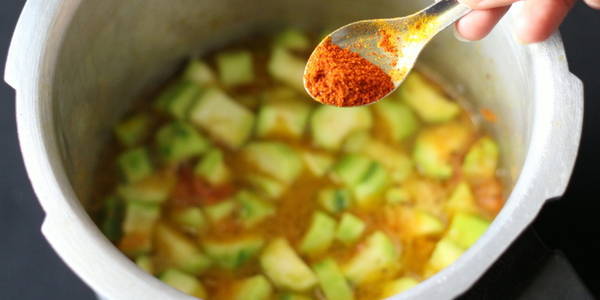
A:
[595,4]
[487,4]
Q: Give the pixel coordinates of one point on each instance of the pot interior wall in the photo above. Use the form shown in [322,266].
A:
[115,51]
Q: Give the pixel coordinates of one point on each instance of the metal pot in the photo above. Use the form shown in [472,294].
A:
[78,64]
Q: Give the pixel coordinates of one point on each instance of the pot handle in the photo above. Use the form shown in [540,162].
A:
[563,145]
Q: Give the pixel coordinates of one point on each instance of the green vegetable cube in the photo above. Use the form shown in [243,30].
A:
[332,280]
[293,39]
[377,256]
[253,288]
[177,99]
[285,268]
[444,254]
[145,263]
[351,169]
[330,126]
[212,167]
[112,216]
[235,253]
[178,141]
[397,195]
[282,115]
[176,250]
[350,229]
[135,164]
[398,286]
[465,229]
[482,160]
[373,182]
[317,163]
[319,236]
[275,159]
[235,67]
[154,189]
[198,72]
[397,119]
[190,219]
[253,210]
[335,200]
[133,130]
[224,119]
[428,101]
[218,212]
[283,66]
[266,186]
[461,200]
[183,282]
[137,228]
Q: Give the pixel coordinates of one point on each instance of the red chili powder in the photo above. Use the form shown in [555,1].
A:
[340,77]
[386,42]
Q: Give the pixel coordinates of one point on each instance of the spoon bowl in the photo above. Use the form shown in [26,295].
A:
[392,44]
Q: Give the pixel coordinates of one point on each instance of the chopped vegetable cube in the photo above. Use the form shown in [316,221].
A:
[275,159]
[178,141]
[233,254]
[134,129]
[266,186]
[282,115]
[235,67]
[335,200]
[198,72]
[332,281]
[183,282]
[444,254]
[177,99]
[292,39]
[212,167]
[219,211]
[398,286]
[137,228]
[350,229]
[283,66]
[135,164]
[253,210]
[253,288]
[397,119]
[176,250]
[427,100]
[317,163]
[285,268]
[434,147]
[482,160]
[152,189]
[465,229]
[377,256]
[190,219]
[145,263]
[331,125]
[112,213]
[320,234]
[223,118]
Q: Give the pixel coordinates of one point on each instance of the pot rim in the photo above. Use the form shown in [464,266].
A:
[550,158]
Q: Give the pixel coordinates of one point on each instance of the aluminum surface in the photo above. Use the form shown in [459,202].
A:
[77,65]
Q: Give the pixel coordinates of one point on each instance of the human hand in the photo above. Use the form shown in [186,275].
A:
[539,19]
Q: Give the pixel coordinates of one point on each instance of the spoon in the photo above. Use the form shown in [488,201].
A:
[392,44]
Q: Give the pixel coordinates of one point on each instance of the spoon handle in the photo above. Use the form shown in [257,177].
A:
[446,12]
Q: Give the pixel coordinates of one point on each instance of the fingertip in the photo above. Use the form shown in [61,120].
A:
[595,4]
[478,24]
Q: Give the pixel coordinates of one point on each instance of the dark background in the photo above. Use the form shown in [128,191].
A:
[556,258]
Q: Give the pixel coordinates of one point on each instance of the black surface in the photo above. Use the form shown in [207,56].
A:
[535,267]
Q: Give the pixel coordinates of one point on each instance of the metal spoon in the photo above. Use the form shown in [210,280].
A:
[409,35]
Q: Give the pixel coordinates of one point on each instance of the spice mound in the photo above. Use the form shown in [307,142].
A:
[340,77]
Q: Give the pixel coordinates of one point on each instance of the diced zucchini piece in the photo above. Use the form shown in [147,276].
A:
[396,195]
[357,141]
[176,250]
[212,167]
[138,225]
[190,219]
[178,141]
[335,200]
[435,146]
[317,163]
[285,268]
[482,160]
[275,159]
[198,72]
[253,288]
[219,211]
[465,229]
[233,254]
[378,256]
[320,234]
[135,164]
[397,162]
[331,125]
[398,286]
[145,263]
[351,169]
[293,39]
[253,210]
[293,296]
[152,189]
[223,118]
[177,99]
[266,186]
[332,281]
[282,115]
[461,200]
[283,66]
[444,254]
[397,119]
[235,67]
[183,282]
[419,223]
[112,216]
[350,229]
[427,100]
[373,183]
[133,130]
